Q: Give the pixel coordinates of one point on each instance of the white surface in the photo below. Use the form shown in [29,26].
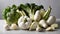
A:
[3,31]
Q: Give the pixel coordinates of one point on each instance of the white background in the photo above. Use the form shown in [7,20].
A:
[54,3]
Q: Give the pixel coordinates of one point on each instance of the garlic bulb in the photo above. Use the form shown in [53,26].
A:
[25,23]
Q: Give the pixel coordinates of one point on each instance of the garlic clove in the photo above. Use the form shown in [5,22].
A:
[33,26]
[38,28]
[43,23]
[37,16]
[7,27]
[54,25]
[51,20]
[42,11]
[50,29]
[13,27]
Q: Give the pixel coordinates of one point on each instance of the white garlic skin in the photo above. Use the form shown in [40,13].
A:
[28,24]
[20,19]
[22,25]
